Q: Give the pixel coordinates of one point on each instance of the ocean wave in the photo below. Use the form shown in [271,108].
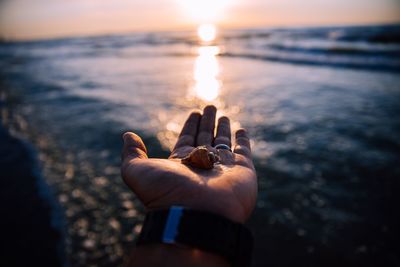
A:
[342,49]
[386,34]
[370,64]
[368,47]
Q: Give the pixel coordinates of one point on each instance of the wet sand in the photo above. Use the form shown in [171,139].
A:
[101,217]
[32,224]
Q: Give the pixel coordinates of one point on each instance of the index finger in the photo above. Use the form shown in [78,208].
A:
[187,137]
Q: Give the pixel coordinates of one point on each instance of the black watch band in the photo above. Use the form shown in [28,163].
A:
[199,229]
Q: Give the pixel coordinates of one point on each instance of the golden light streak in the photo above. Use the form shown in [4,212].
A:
[206,71]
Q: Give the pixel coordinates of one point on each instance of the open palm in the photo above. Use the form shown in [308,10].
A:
[229,189]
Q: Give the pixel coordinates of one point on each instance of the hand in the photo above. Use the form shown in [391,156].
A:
[229,189]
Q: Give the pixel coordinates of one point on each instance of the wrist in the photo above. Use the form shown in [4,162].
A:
[198,231]
[216,203]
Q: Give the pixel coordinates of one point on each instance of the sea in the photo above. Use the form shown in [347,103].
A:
[321,104]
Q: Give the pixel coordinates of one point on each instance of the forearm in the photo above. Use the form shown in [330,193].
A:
[155,255]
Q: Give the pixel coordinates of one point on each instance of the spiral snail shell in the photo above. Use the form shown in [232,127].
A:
[201,158]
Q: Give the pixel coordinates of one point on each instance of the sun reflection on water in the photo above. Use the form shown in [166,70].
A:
[206,70]
[205,88]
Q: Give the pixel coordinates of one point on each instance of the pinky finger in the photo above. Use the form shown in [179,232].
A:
[242,143]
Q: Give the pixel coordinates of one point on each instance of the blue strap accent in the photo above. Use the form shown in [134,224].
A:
[171,227]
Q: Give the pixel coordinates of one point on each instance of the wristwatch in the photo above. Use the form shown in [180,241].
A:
[199,229]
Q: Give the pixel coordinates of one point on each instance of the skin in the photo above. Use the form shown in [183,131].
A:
[229,189]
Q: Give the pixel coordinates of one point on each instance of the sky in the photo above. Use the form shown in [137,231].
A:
[37,19]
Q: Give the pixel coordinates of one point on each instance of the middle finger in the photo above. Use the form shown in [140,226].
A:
[207,125]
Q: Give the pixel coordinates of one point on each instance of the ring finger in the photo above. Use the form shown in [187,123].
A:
[223,132]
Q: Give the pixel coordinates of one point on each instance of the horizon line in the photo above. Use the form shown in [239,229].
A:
[4,39]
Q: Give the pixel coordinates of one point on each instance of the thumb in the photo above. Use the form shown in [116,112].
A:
[133,147]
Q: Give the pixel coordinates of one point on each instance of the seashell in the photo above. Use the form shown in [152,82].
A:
[201,158]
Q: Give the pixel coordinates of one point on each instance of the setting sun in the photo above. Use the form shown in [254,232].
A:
[204,11]
[207,32]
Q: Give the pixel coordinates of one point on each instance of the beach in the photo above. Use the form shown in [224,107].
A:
[321,106]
